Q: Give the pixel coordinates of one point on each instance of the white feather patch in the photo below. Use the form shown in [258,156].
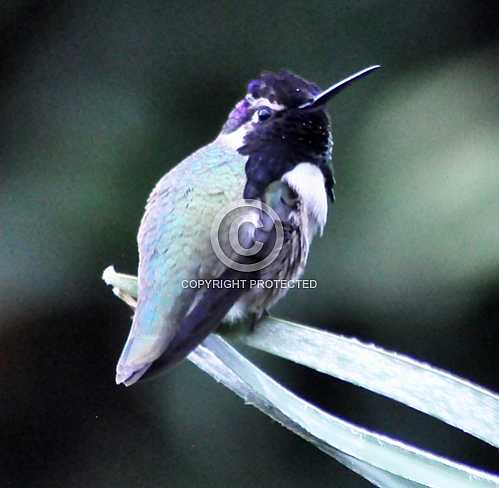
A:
[234,139]
[264,102]
[307,181]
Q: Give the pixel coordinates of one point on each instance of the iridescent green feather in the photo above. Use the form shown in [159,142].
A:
[174,245]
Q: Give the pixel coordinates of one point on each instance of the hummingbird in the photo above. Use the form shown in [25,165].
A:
[269,169]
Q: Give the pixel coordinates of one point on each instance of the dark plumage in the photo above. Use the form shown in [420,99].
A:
[284,88]
[290,136]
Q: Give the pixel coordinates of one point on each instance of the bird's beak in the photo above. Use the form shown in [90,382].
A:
[326,95]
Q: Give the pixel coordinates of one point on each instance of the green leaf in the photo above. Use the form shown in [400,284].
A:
[383,461]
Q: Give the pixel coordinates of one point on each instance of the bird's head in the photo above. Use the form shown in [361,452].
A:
[281,122]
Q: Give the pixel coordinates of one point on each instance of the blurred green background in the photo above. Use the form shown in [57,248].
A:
[99,99]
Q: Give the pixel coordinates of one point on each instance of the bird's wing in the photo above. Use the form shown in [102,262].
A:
[206,315]
[174,248]
[212,304]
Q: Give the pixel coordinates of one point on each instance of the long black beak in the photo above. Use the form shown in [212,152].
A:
[333,90]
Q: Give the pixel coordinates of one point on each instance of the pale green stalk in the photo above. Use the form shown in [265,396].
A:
[383,461]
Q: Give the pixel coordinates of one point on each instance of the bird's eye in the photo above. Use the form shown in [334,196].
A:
[264,113]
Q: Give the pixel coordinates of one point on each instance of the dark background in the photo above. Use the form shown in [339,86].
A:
[98,99]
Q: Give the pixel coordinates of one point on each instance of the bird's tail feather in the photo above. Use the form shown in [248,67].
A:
[203,319]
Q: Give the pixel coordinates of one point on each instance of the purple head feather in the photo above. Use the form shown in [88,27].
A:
[284,88]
